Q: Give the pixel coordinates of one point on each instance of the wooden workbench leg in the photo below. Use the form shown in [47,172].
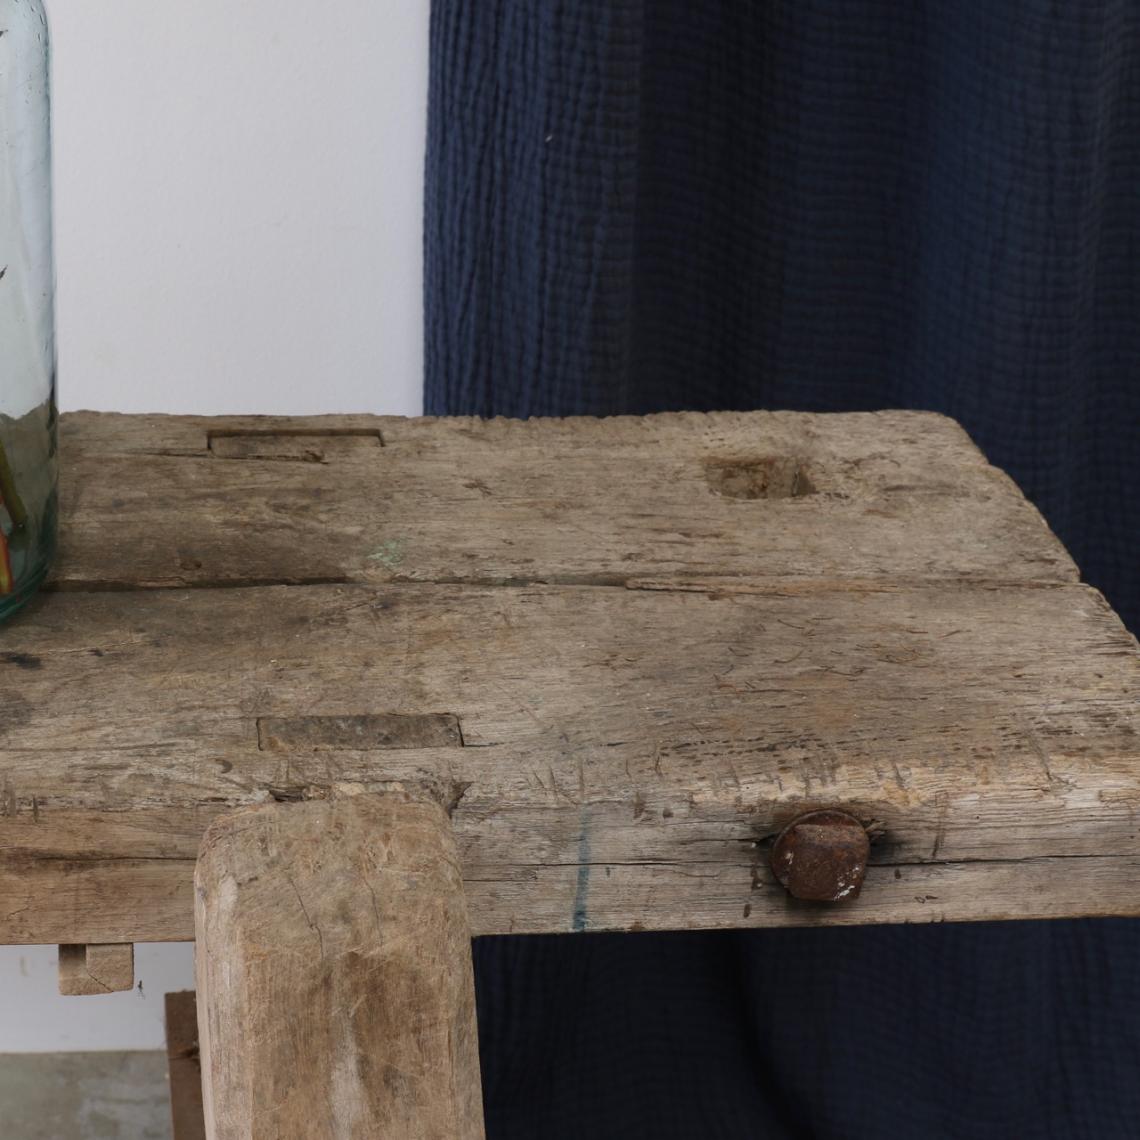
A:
[335,989]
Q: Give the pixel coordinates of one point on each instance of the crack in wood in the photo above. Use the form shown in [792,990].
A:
[727,586]
[124,586]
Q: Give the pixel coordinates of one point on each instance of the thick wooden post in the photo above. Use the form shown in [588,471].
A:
[335,988]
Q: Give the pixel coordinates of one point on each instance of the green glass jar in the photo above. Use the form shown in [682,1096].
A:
[27,294]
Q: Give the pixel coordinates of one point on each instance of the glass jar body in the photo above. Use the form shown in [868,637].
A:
[27,294]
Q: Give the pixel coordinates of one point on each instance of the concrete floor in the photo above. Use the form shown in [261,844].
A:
[84,1096]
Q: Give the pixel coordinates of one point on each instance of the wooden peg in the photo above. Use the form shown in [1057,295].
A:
[88,970]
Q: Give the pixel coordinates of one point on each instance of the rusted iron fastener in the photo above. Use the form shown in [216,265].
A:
[822,856]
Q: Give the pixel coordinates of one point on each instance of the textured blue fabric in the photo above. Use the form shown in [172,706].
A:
[827,206]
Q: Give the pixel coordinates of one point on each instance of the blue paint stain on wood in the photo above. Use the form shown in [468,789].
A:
[581,917]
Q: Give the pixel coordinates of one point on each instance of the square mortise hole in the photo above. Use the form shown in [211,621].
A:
[771,478]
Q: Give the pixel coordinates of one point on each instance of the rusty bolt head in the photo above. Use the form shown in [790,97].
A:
[822,856]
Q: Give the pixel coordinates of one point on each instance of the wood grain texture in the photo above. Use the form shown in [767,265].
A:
[901,495]
[620,712]
[184,1065]
[88,970]
[336,995]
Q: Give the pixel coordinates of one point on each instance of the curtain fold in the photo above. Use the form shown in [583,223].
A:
[637,206]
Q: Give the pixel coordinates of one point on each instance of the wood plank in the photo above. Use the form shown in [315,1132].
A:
[629,729]
[92,969]
[157,901]
[335,987]
[184,1065]
[208,502]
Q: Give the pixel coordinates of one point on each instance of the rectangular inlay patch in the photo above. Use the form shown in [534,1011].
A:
[298,447]
[359,733]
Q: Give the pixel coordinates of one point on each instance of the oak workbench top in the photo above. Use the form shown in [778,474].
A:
[625,652]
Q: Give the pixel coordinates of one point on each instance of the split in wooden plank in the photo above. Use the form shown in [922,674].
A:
[336,994]
[88,970]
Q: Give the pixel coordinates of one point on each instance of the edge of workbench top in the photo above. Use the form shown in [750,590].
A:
[848,432]
[884,497]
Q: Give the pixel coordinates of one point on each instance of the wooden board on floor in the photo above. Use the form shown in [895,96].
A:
[624,652]
[184,1065]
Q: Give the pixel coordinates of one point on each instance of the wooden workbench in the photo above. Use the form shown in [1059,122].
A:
[622,654]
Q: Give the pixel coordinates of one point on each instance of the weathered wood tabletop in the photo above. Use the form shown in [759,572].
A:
[625,652]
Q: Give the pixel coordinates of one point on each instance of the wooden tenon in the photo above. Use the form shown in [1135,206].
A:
[624,655]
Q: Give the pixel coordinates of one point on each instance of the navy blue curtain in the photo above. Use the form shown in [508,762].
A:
[636,206]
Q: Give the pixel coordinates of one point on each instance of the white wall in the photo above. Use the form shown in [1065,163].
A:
[35,1019]
[239,190]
